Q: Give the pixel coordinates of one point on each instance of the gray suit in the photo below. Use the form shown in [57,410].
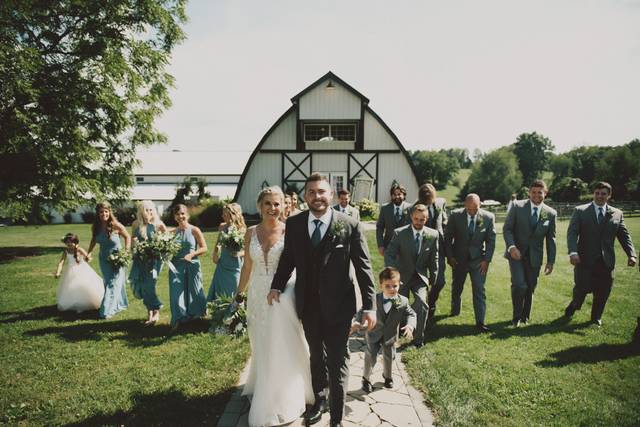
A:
[417,270]
[385,333]
[469,251]
[351,211]
[387,222]
[593,242]
[520,231]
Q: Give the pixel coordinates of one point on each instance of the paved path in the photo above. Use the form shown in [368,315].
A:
[401,406]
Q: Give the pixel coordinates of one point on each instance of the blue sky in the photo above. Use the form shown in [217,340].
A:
[470,74]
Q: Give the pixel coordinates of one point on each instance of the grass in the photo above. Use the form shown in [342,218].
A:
[451,192]
[547,373]
[60,368]
[69,369]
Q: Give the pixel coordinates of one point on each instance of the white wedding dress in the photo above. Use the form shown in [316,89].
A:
[279,382]
[80,287]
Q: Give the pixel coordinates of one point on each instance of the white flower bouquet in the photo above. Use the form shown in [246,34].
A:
[232,239]
[228,317]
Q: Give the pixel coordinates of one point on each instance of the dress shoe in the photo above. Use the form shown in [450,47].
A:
[596,322]
[482,328]
[568,312]
[314,414]
[417,344]
[335,423]
[366,386]
[455,312]
[525,321]
[388,383]
[515,323]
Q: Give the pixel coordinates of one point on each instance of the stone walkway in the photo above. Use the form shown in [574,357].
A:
[401,406]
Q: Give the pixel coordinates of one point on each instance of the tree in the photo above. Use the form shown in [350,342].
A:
[435,167]
[562,166]
[533,151]
[568,189]
[80,86]
[496,176]
[620,168]
[460,154]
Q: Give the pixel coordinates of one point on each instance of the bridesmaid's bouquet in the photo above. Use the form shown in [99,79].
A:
[232,239]
[119,259]
[228,317]
[162,246]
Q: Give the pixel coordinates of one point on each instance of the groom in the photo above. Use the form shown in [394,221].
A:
[320,244]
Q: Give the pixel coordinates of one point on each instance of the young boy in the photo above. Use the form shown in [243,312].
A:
[392,311]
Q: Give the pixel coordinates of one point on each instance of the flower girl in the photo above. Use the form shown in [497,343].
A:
[80,287]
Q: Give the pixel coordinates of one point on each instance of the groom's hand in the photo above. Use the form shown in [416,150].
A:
[369,318]
[273,295]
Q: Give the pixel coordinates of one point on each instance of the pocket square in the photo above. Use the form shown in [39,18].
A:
[339,246]
[546,223]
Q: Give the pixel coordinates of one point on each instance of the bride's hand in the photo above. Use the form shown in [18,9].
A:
[273,295]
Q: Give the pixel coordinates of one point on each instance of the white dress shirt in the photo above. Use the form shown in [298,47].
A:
[325,219]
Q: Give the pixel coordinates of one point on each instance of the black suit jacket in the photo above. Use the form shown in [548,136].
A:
[322,273]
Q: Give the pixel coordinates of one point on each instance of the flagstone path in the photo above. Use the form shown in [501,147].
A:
[401,406]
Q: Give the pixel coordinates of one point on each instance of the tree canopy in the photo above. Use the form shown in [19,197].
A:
[80,86]
[533,151]
[495,176]
[435,167]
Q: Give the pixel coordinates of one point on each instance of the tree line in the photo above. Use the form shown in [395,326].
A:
[510,169]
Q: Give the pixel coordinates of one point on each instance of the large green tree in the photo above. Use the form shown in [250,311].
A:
[81,83]
[495,176]
[533,151]
[435,167]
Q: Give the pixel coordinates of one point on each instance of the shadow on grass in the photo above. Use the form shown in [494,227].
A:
[166,408]
[587,354]
[134,332]
[46,312]
[11,253]
[559,325]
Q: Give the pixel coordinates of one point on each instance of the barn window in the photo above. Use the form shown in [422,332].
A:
[332,132]
[139,179]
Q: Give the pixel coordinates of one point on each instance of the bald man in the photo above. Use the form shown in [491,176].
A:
[470,240]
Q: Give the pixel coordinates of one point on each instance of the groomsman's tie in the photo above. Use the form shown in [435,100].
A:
[418,235]
[534,217]
[472,226]
[600,215]
[398,216]
[316,237]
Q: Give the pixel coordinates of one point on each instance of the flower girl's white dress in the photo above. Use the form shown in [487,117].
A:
[80,287]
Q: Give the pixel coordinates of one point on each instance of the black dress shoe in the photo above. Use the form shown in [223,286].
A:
[482,328]
[417,344]
[314,414]
[596,322]
[366,386]
[515,323]
[388,383]
[568,312]
[335,423]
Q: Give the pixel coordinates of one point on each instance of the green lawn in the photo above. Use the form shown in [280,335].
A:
[66,369]
[451,192]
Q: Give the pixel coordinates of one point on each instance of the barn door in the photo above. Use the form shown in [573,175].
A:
[296,167]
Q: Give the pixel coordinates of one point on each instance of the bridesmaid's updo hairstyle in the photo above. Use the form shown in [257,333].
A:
[275,190]
[95,229]
[72,238]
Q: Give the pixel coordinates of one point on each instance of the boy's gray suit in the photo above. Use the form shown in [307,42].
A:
[528,236]
[593,242]
[386,332]
[469,251]
[417,270]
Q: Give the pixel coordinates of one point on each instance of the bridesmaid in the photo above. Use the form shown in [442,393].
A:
[227,274]
[143,278]
[186,295]
[106,231]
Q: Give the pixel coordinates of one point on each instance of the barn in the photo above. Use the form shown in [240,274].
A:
[329,129]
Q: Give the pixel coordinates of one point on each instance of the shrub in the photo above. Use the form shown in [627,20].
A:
[88,217]
[67,218]
[126,215]
[568,190]
[368,209]
[211,214]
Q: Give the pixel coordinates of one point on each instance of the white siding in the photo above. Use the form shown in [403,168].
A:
[376,136]
[395,167]
[283,137]
[265,167]
[321,103]
[330,162]
[330,145]
[178,179]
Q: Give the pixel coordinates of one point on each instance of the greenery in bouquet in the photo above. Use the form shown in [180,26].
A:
[232,239]
[228,317]
[120,258]
[162,246]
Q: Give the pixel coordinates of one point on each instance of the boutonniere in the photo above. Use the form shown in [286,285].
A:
[395,301]
[479,221]
[543,216]
[338,228]
[609,211]
[426,237]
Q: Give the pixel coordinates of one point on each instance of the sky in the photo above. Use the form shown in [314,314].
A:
[441,74]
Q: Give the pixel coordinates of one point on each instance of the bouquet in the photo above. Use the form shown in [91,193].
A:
[162,246]
[120,258]
[232,239]
[228,317]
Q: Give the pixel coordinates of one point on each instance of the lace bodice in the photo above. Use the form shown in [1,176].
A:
[265,264]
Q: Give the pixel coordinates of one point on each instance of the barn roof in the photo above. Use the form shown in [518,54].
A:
[330,76]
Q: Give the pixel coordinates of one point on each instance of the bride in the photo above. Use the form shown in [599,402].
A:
[279,382]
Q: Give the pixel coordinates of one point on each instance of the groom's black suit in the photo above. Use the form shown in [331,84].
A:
[325,299]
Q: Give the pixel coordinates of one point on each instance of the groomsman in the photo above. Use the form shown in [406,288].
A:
[392,215]
[592,231]
[528,225]
[428,196]
[413,250]
[470,239]
[344,197]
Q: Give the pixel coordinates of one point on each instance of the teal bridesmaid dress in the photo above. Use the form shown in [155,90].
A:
[186,295]
[144,276]
[115,291]
[226,277]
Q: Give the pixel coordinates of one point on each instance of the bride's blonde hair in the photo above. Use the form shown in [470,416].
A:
[272,190]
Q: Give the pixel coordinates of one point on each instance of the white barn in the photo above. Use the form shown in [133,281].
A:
[329,129]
